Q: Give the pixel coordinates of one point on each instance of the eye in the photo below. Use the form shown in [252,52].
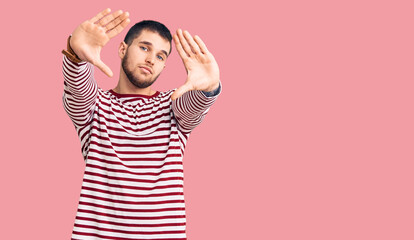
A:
[160,58]
[144,48]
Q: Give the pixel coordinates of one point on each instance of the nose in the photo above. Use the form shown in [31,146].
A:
[150,59]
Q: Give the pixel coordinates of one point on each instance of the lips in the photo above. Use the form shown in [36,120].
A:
[146,69]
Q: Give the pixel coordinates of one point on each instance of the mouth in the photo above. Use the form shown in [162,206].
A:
[146,69]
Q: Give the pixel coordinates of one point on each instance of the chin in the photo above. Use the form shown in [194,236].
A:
[141,84]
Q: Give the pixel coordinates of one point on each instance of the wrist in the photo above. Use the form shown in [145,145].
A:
[212,87]
[213,92]
[69,53]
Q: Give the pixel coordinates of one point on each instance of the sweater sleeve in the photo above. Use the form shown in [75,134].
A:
[79,97]
[191,108]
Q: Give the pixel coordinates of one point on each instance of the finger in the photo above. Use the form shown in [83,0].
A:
[108,18]
[115,31]
[100,15]
[201,44]
[193,45]
[179,48]
[105,69]
[180,91]
[184,43]
[116,21]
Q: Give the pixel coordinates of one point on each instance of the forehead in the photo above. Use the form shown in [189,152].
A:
[157,42]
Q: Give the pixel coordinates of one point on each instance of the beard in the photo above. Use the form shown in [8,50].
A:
[133,78]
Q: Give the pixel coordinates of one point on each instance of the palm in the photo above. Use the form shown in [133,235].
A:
[91,36]
[88,40]
[202,69]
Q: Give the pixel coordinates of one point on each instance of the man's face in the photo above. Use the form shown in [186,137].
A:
[145,58]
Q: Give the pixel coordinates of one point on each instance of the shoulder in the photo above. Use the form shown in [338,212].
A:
[166,94]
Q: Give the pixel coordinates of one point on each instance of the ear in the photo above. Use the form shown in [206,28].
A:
[122,49]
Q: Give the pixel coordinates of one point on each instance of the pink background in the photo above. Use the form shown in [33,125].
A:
[312,137]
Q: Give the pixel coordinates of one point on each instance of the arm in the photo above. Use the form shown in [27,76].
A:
[191,108]
[83,51]
[192,101]
[80,91]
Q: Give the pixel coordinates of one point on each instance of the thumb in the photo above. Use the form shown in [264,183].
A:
[180,91]
[105,69]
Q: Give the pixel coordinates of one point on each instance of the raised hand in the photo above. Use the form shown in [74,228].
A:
[202,69]
[89,37]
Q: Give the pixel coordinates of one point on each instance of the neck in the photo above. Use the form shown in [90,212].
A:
[126,87]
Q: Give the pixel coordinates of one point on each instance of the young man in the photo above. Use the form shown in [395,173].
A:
[133,137]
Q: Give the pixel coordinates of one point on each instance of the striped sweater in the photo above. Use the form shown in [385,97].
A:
[133,147]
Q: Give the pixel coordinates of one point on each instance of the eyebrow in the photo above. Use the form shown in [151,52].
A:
[150,44]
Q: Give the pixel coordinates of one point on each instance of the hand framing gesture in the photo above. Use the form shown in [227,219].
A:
[88,38]
[202,69]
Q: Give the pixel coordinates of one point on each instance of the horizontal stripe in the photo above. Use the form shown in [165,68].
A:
[135,119]
[142,144]
[156,135]
[149,148]
[121,238]
[132,217]
[131,194]
[132,202]
[133,174]
[130,209]
[136,175]
[129,232]
[102,153]
[130,187]
[130,224]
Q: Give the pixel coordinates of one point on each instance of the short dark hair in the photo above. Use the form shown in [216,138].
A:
[149,25]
